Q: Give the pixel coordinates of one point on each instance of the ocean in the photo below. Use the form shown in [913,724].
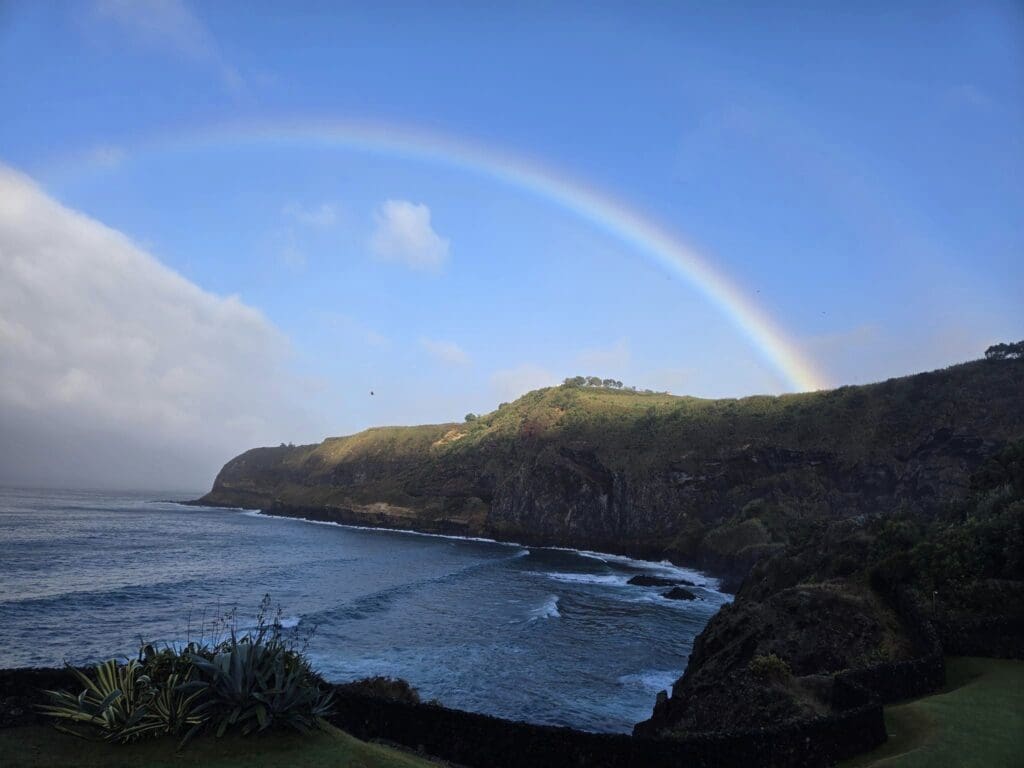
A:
[548,636]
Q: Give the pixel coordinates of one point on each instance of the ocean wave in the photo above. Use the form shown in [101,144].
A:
[605,579]
[549,610]
[661,568]
[707,603]
[290,622]
[212,508]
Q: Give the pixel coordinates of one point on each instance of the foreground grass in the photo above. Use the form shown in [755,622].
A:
[978,720]
[43,747]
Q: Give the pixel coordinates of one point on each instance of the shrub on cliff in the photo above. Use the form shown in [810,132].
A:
[393,689]
[769,667]
[979,538]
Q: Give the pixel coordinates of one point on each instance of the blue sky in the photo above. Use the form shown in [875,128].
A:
[856,170]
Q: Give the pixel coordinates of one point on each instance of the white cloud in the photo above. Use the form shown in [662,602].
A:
[170,26]
[323,216]
[511,383]
[605,361]
[404,234]
[117,370]
[447,352]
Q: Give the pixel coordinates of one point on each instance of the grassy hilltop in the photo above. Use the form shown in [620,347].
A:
[717,483]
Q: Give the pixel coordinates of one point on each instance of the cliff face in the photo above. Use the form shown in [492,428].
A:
[870,601]
[718,484]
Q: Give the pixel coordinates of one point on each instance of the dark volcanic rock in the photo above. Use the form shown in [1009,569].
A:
[656,581]
[679,593]
[811,629]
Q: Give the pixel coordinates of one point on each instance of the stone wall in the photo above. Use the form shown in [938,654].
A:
[480,741]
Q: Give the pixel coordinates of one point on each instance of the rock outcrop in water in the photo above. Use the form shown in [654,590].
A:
[722,485]
[644,580]
[679,593]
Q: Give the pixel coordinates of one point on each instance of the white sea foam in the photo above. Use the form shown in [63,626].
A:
[290,621]
[660,568]
[653,680]
[549,610]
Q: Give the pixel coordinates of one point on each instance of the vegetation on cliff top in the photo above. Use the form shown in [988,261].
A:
[624,421]
[583,401]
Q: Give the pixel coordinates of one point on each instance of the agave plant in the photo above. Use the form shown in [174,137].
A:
[175,707]
[250,683]
[161,663]
[113,706]
[122,704]
[253,683]
[293,700]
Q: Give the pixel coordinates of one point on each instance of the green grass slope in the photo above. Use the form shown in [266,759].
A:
[43,747]
[976,722]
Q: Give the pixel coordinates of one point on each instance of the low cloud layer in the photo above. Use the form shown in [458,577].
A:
[115,371]
[404,234]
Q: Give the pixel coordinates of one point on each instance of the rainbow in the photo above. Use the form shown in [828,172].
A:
[596,207]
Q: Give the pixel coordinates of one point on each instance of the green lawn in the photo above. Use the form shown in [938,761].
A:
[43,747]
[978,720]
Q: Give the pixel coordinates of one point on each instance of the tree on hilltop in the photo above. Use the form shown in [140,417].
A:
[592,381]
[1014,351]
